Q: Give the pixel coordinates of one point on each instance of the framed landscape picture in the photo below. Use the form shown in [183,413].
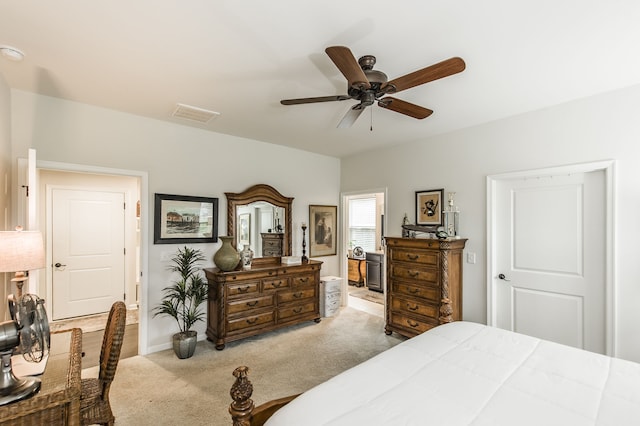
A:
[323,221]
[429,207]
[184,219]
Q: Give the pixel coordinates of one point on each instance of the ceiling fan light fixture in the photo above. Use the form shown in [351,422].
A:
[12,53]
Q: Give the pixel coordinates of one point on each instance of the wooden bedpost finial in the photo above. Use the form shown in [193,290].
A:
[241,391]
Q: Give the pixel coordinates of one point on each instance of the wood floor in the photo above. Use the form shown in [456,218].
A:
[92,332]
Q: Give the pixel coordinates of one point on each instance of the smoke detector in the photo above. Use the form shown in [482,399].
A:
[11,53]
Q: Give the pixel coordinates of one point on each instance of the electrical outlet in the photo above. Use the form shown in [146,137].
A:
[471,258]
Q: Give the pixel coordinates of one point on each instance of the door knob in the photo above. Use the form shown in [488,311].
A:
[503,277]
[58,265]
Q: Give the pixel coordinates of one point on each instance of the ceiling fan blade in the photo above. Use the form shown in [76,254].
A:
[348,66]
[434,72]
[314,100]
[350,117]
[404,107]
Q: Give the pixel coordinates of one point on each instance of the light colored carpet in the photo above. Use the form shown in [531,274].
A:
[160,389]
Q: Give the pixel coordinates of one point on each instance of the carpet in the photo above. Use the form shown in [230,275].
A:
[160,389]
[366,294]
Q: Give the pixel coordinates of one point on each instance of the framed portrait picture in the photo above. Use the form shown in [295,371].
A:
[323,222]
[244,229]
[184,219]
[429,207]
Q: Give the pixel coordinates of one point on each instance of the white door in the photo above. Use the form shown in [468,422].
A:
[550,275]
[88,251]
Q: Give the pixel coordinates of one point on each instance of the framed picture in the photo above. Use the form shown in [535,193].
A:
[322,230]
[183,219]
[244,229]
[429,207]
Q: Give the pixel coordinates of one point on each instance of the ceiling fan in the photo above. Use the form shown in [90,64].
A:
[368,86]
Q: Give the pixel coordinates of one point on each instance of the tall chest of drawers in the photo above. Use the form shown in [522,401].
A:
[272,244]
[266,297]
[424,284]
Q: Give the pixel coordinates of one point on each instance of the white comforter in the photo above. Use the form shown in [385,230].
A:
[470,374]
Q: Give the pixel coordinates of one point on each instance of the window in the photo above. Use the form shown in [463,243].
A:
[362,223]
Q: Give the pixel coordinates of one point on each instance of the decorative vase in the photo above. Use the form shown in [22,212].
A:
[226,258]
[184,344]
[246,256]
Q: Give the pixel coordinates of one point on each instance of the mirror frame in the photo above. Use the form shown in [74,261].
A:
[260,192]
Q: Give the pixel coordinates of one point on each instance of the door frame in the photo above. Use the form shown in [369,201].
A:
[143,324]
[342,250]
[608,167]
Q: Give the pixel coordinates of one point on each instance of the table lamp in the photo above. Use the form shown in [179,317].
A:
[20,252]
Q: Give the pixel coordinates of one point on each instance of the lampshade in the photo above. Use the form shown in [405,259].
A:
[21,251]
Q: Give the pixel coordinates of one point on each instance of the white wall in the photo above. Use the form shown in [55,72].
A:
[597,128]
[5,181]
[178,160]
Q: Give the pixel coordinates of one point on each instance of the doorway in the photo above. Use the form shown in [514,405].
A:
[75,204]
[363,248]
[551,241]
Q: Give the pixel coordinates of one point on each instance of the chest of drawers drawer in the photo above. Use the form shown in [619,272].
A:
[413,290]
[414,273]
[297,295]
[243,289]
[243,305]
[292,311]
[416,256]
[275,284]
[407,322]
[250,321]
[415,307]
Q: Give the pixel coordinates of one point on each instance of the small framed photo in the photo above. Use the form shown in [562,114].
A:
[323,221]
[429,207]
[244,229]
[184,219]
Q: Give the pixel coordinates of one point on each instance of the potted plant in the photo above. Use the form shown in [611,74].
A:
[182,299]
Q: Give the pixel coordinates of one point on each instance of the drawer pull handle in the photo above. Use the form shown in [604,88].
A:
[252,320]
[412,323]
[251,304]
[304,280]
[297,295]
[243,289]
[278,284]
[414,274]
[414,290]
[270,272]
[413,256]
[297,310]
[412,308]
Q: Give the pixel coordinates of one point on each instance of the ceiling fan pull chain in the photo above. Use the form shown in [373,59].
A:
[371,125]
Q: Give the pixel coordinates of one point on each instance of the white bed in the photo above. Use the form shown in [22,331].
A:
[464,373]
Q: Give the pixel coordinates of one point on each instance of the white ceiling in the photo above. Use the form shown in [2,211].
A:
[240,58]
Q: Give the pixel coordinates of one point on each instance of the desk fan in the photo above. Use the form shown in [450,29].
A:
[28,330]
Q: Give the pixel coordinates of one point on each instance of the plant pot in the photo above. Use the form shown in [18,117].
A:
[226,258]
[184,343]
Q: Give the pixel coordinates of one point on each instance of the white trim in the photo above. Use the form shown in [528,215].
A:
[344,199]
[143,348]
[608,166]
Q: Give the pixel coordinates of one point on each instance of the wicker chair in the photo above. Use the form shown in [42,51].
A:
[94,401]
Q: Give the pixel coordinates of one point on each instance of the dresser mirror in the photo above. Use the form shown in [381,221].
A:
[261,209]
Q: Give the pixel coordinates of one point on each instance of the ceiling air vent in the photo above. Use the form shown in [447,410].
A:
[192,113]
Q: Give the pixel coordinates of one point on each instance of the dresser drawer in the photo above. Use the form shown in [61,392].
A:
[421,257]
[243,288]
[240,324]
[275,284]
[411,323]
[292,296]
[302,280]
[272,244]
[414,306]
[244,305]
[424,292]
[292,311]
[414,273]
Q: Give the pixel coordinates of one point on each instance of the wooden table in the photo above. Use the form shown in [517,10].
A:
[58,401]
